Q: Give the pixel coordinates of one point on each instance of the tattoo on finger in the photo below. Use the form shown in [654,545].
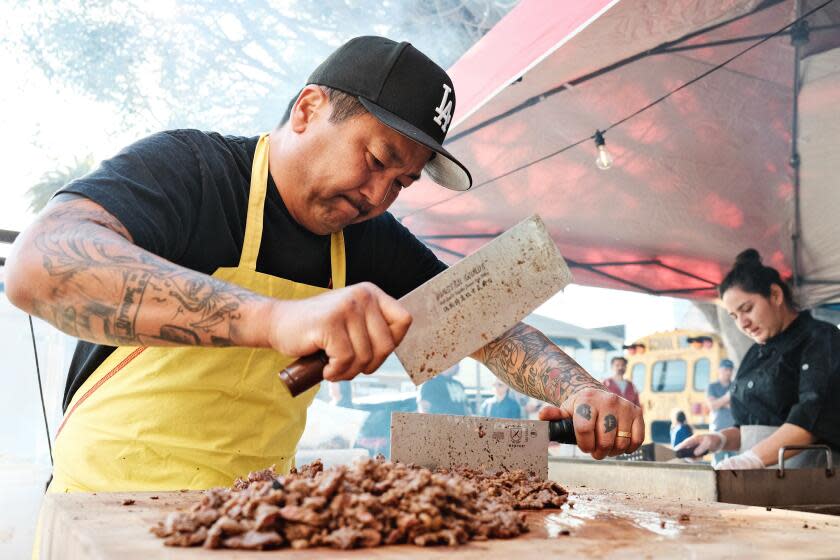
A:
[586,411]
[610,423]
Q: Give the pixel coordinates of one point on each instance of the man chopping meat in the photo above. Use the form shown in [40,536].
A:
[194,266]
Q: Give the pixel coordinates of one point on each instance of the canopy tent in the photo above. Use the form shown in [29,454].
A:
[698,177]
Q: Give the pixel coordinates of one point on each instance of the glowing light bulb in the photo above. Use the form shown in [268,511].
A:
[604,159]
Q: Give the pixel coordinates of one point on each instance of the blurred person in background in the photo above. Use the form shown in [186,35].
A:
[443,394]
[503,405]
[530,406]
[617,384]
[680,430]
[717,396]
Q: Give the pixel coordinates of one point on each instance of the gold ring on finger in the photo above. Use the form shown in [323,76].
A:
[624,434]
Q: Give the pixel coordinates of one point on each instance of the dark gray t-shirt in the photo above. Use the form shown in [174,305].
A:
[722,417]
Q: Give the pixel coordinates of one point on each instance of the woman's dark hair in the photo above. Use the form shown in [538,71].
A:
[750,275]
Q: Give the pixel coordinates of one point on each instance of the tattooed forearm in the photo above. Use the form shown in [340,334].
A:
[96,285]
[530,363]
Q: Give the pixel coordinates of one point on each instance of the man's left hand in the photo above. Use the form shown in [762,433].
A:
[605,424]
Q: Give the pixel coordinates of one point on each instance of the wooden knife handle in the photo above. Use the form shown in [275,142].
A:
[562,431]
[304,373]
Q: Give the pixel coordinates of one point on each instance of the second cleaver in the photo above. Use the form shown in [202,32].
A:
[486,444]
[466,306]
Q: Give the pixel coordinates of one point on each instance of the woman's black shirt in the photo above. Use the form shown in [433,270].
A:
[793,378]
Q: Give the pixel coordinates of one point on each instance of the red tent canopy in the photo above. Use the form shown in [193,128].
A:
[697,178]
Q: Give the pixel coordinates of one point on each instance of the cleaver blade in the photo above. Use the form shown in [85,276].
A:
[487,444]
[466,306]
[479,298]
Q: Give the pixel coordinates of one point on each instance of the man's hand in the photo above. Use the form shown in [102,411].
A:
[602,421]
[357,327]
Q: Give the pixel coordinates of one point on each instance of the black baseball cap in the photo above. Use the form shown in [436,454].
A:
[405,90]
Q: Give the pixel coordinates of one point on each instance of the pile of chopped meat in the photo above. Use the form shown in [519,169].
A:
[370,503]
[516,488]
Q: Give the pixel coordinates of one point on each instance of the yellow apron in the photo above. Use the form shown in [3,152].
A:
[166,418]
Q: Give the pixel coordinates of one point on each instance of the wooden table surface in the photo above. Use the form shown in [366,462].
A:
[597,525]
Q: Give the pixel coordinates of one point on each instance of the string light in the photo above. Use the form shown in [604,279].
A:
[604,160]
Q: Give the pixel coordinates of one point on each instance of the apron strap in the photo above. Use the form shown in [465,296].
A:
[256,206]
[338,261]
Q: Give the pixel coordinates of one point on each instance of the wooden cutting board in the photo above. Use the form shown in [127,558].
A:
[598,524]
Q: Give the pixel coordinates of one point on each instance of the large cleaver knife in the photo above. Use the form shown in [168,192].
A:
[466,306]
[494,444]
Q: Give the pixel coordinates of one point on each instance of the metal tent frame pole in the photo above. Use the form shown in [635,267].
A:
[799,36]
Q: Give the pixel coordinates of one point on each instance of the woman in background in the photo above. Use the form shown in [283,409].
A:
[787,390]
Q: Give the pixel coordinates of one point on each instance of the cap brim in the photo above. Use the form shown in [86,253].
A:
[443,169]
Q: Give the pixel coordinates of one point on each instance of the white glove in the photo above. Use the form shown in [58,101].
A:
[744,461]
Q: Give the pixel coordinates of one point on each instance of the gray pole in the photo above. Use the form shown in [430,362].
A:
[799,36]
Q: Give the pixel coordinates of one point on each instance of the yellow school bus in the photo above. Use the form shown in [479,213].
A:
[672,370]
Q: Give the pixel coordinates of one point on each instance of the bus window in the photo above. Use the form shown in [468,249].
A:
[702,371]
[668,376]
[637,376]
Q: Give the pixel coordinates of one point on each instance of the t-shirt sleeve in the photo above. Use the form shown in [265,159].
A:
[153,187]
[819,377]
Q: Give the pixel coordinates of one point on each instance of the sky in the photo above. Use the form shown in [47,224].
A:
[64,126]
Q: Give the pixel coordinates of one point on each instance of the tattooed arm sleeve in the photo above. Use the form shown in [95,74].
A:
[77,268]
[528,361]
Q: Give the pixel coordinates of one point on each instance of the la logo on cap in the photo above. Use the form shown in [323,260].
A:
[444,110]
